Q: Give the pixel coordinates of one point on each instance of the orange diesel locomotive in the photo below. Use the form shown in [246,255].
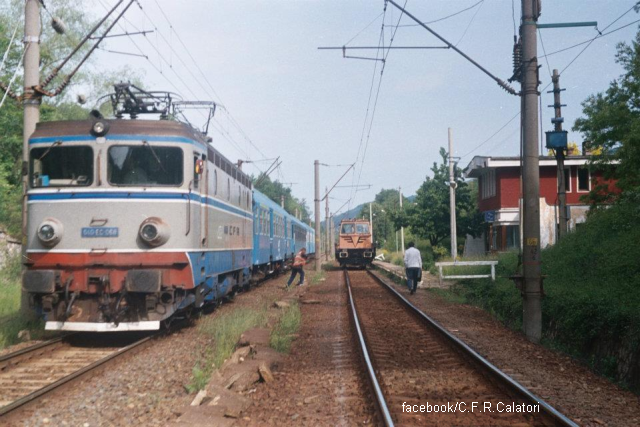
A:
[355,245]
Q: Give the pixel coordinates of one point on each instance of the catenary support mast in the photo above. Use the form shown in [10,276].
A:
[532,284]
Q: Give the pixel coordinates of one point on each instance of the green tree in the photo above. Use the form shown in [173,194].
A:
[611,125]
[384,207]
[428,216]
[53,48]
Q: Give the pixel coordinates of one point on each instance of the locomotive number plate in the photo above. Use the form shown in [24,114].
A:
[99,231]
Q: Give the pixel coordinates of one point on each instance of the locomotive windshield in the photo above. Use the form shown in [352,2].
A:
[362,228]
[145,165]
[355,229]
[57,166]
[347,229]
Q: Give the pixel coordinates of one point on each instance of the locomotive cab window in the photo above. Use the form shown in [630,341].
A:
[56,166]
[145,165]
[347,229]
[362,228]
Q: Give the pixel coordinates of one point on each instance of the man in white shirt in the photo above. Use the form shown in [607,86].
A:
[413,267]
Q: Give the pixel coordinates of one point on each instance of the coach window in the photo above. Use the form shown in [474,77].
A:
[144,165]
[55,166]
[228,189]
[215,182]
[239,196]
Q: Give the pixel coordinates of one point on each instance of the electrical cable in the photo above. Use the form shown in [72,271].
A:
[231,118]
[13,78]
[469,24]
[588,41]
[362,30]
[445,17]
[226,136]
[6,53]
[491,137]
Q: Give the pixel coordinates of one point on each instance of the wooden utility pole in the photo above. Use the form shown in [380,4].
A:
[560,154]
[532,281]
[452,199]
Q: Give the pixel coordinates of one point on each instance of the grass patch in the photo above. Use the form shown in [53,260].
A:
[450,296]
[283,334]
[12,320]
[318,277]
[225,330]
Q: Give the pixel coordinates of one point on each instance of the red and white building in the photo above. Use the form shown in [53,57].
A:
[500,196]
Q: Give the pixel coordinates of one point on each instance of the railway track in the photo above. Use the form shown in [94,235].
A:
[28,374]
[422,375]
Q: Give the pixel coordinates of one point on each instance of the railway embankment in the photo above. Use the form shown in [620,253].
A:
[565,382]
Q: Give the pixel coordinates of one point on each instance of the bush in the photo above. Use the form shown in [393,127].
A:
[11,320]
[592,293]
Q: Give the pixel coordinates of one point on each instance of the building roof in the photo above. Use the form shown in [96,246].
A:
[481,163]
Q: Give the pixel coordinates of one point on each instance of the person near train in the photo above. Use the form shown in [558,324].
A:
[298,267]
[413,267]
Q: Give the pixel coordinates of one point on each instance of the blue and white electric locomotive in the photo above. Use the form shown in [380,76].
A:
[132,221]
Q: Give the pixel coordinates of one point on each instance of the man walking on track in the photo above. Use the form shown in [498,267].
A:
[298,267]
[413,267]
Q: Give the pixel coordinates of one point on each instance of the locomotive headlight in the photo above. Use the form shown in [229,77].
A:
[154,231]
[50,232]
[100,128]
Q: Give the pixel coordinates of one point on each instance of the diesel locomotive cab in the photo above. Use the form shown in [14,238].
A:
[355,246]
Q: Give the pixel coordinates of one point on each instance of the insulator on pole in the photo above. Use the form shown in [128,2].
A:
[58,25]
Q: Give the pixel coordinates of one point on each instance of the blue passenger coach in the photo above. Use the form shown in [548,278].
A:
[277,235]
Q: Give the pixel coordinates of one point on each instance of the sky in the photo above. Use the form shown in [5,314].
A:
[284,97]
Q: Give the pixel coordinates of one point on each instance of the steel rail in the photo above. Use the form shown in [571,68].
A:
[380,400]
[492,369]
[7,357]
[38,393]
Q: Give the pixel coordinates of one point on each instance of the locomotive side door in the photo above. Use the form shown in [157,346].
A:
[201,188]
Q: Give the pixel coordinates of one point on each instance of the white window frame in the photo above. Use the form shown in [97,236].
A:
[578,179]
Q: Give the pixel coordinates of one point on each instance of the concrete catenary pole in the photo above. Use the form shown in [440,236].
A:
[452,199]
[331,237]
[31,104]
[371,220]
[326,223]
[562,192]
[401,228]
[532,313]
[282,201]
[316,165]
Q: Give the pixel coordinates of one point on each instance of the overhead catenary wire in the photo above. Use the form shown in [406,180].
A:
[499,81]
[225,134]
[445,17]
[232,119]
[491,137]
[470,22]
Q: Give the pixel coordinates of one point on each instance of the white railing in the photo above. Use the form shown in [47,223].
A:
[442,277]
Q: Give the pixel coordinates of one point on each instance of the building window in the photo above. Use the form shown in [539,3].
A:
[584,180]
[513,236]
[488,183]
